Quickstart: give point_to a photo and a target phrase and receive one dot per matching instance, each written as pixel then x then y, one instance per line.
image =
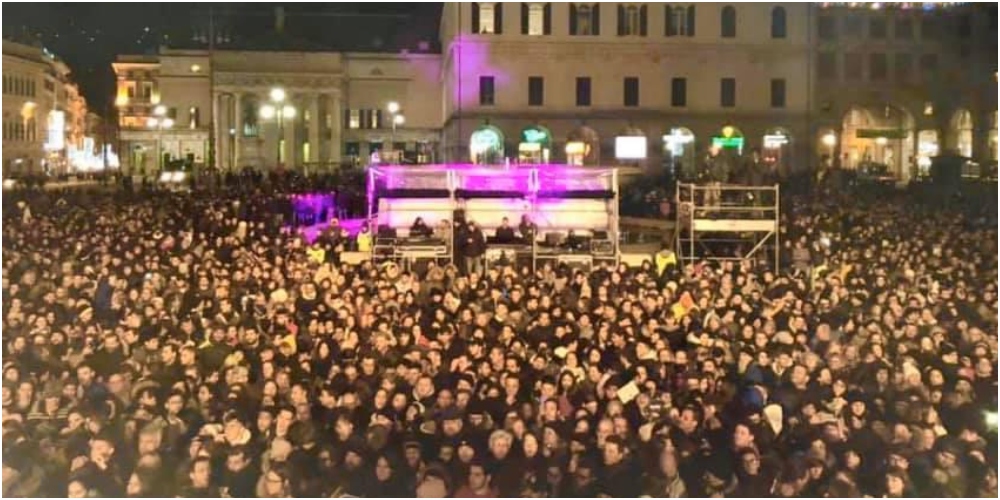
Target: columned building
pixel 335 108
pixel 649 84
pixel 899 83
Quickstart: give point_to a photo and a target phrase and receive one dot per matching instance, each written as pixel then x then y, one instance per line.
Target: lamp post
pixel 279 111
pixel 160 121
pixel 397 119
pixel 830 140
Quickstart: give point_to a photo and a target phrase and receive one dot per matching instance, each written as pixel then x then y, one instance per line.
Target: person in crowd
pixel 185 345
pixel 420 229
pixel 505 233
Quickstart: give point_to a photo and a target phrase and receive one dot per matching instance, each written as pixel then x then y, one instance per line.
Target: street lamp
pixel 397 120
pixel 159 121
pixel 281 112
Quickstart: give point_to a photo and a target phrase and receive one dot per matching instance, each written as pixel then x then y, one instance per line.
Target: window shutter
pixel 547 19
pixel 475 17
pixel 621 20
pixel 643 17
pixel 524 18
pixel 668 21
pixel 572 19
pixel 498 18
pixel 595 19
pixel 690 20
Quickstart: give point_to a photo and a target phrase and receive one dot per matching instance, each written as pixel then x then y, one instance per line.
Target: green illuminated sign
pixel 728 142
pixel 535 136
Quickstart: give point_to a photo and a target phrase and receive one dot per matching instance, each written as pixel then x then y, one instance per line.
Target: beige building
pixel 339 107
pixel 897 84
pixel 44 115
pixel 647 83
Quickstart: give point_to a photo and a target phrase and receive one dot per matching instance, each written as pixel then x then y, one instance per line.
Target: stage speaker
pixel 386 232
pixel 553 239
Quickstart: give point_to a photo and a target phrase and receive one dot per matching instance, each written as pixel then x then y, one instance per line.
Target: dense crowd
pixel 177 345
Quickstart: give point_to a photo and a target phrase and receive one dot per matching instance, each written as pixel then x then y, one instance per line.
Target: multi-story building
pixel 342 106
pixel 44 115
pixel 647 84
pixel 598 83
pixel 898 83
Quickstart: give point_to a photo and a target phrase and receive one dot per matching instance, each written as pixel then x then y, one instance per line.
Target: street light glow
pixel 829 139
pixel 394 107
pixel 167 123
pixel 278 94
pixel 267 111
pixel 398 119
pixel 160 110
pixel 288 111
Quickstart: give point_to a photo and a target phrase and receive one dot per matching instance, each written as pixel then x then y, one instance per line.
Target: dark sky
pixel 88 36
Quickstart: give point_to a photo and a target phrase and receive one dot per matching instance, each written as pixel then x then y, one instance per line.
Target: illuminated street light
pixel 393 107
pixel 830 140
pixel 277 95
pixel 279 111
pixel 398 120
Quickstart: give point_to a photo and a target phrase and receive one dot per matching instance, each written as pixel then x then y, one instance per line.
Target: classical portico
pixel 312 137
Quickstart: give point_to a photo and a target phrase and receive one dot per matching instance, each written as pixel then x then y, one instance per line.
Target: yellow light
pixel 398 119
pixel 267 111
pixel 881 141
pixel 195 68
pixel 728 131
pixel 160 110
pixel 393 107
pixel 121 100
pixel 829 139
pixel 277 94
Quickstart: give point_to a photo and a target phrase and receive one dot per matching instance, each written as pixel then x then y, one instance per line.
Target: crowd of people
pixel 184 345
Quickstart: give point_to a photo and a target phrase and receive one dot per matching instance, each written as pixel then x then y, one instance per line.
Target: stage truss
pixel 719 223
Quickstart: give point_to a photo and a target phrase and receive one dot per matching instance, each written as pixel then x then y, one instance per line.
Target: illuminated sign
pixel 529 147
pixel 772 141
pixel 630 147
pixel 577 148
pixel 484 140
pixel 676 141
pixel 728 142
pixel 535 136
pixel 56 139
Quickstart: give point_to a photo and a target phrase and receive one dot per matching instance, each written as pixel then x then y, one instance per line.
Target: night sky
pixel 89 36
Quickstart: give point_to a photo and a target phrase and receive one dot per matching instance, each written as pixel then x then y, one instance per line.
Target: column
pixel 290 149
pixel 212 155
pixel 981 127
pixel 237 123
pixel 335 143
pixel 312 100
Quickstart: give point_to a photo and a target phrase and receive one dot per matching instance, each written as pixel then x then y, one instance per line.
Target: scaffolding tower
pixel 720 223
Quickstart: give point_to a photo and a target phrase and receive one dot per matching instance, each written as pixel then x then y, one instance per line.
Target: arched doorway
pixel 679 153
pixel 535 146
pixel 486 145
pixel 961 131
pixel 777 148
pixel 928 146
pixel 878 141
pixel 583 147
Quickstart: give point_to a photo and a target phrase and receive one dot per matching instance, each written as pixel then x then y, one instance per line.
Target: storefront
pixel 679 153
pixel 777 148
pixel 486 146
pixel 535 146
pixel 583 147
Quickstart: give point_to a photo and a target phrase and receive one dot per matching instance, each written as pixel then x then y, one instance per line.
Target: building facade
pixel 44 114
pixel 647 83
pixel 339 108
pixel 897 84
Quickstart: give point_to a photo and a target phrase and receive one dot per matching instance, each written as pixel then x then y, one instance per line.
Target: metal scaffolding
pixel 721 223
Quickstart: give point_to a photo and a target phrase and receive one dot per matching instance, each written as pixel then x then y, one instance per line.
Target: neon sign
pixel 534 136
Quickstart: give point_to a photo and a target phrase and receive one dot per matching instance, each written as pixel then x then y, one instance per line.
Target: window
pixel 631 91
pixel 487 96
pixel 904 28
pixel 536 91
pixel 583 91
pixel 632 20
pixel 373 118
pixel 928 28
pixel 353 118
pixel 130 89
pixel 727 88
pixel 678 92
pixel 779 28
pixel 49 85
pixel 826 65
pixel 728 22
pixel 679 21
pixel 487 18
pixel 964 26
pixel 585 19
pixel 928 64
pixel 194 117
pixel 853 66
pixel 904 67
pixel 853 26
pixel 827 28
pixel 878 28
pixel 536 19
pixel 147 90
pixel 777 92
pixel 878 66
